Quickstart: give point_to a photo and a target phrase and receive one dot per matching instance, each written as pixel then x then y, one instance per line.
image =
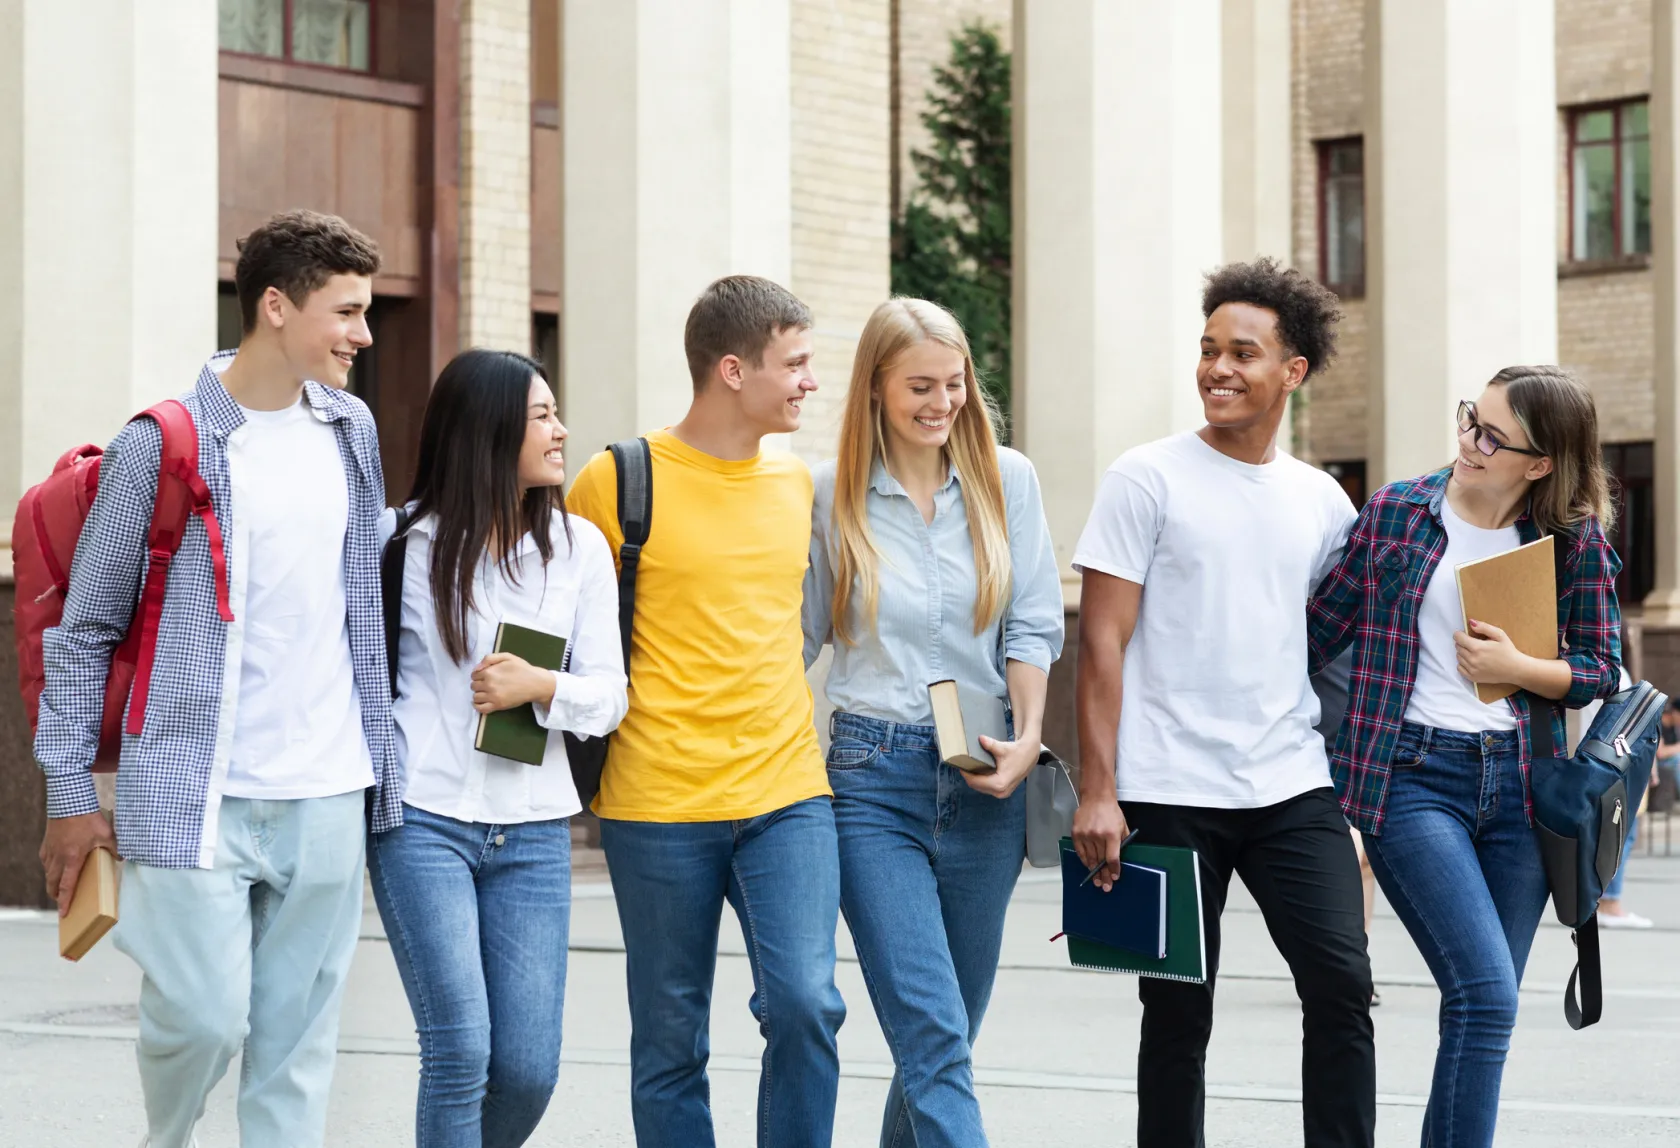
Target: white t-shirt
pixel 297 729
pixel 1217 711
pixel 1441 696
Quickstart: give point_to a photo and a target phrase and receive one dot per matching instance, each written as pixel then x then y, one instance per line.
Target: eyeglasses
pixel 1486 441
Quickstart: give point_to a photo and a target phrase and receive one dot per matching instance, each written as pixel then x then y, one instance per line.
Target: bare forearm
pixel 1098 698
pixel 1028 686
pixel 1548 677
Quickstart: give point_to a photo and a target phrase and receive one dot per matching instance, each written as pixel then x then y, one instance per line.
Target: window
pixel 1634 537
pixel 327 33
pixel 1609 181
pixel 545 349
pixel 1341 216
pixel 1350 476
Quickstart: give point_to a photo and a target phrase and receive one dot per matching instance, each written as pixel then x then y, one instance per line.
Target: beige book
pixel 93 908
pixel 959 718
pixel 1516 591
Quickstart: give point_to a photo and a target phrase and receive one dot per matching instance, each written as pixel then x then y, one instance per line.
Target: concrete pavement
pixel 1055 1063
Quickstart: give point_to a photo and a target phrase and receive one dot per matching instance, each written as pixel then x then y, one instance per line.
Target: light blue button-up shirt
pixel 925 624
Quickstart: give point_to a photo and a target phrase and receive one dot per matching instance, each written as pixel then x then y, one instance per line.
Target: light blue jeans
pixel 478 916
pixel 670 881
pixel 927 867
pixel 251 953
pixel 1613 891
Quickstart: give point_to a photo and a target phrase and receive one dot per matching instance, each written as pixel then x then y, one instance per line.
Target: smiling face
pixel 1505 472
pixel 321 337
pixel 1245 371
pixel 920 394
pixel 773 391
pixel 541 460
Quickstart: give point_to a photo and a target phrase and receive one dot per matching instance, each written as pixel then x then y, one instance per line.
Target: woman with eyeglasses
pixel 1437 781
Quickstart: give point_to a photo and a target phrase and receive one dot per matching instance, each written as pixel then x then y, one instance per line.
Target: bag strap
pixel 392 564
pixel 633 461
pixel 1589 973
pixel 181 493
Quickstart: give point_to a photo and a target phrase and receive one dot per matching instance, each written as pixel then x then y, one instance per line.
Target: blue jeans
pixel 478 917
pixel 252 952
pixel 1613 891
pixel 1461 866
pixel 927 867
pixel 670 881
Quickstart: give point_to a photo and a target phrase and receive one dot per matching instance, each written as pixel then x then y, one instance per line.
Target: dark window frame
pixel 291 61
pixel 1574 113
pixel 1632 465
pixel 1322 150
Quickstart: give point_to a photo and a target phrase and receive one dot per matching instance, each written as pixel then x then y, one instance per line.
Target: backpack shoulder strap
pixel 633 461
pixel 1589 974
pixel 181 494
pixel 392 565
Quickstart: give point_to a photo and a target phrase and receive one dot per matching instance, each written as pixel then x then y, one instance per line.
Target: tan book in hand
pixel 1516 591
pixel 959 718
pixel 93 907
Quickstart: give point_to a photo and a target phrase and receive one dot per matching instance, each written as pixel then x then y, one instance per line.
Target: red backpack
pixel 44 537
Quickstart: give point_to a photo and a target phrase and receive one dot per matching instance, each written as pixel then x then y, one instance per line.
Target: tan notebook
pixel 93 908
pixel 1516 591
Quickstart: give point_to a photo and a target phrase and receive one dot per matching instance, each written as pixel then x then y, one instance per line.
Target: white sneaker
pixel 1624 921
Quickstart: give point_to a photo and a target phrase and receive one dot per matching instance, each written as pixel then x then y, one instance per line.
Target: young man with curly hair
pixel 1195 713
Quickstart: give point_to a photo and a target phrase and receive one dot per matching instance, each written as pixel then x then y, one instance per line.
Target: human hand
pixel 1015 759
pixel 503 681
pixel 1098 829
pixel 1487 656
pixel 65 848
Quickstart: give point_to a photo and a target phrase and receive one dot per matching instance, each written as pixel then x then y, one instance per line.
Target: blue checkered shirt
pixel 170 776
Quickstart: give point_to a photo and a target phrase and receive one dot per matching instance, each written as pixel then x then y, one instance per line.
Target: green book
pixel 1186 958
pixel 516 733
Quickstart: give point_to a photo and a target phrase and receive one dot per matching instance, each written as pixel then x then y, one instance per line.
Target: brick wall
pixel 925 28
pixel 841 155
pixel 1604 335
pixel 1603 50
pixel 496 174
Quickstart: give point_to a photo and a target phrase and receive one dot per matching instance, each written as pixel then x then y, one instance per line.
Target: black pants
pixel 1297 859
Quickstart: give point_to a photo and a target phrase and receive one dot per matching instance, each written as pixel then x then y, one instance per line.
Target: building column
pixel 1461 208
pixel 676 133
pixel 495 296
pixel 108 236
pixel 1118 206
pixel 1665 272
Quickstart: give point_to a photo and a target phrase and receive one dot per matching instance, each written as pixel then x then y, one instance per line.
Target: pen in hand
pixel 1127 840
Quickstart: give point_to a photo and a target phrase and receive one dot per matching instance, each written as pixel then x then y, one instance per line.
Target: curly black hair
pixel 1307 312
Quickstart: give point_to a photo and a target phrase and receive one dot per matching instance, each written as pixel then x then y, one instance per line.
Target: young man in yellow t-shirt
pixel 714 787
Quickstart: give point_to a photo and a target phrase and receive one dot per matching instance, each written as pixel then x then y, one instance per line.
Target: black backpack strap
pixel 1589 974
pixel 391 565
pixel 634 463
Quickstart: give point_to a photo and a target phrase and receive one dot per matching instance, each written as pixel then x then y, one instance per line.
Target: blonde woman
pixel 930 560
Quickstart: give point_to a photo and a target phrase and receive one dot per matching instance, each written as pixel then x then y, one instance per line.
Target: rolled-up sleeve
pixel 1592 634
pixel 105 579
pixel 1033 626
pixel 591 697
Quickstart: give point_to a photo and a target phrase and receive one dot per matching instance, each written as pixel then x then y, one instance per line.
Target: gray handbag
pixel 1051 800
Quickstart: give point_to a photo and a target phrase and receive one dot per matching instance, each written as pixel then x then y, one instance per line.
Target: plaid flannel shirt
pixel 170 777
pixel 1372 598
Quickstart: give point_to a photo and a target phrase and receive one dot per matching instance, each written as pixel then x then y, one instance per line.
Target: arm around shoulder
pixel 816 614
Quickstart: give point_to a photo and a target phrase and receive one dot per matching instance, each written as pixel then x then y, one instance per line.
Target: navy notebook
pixel 1131 916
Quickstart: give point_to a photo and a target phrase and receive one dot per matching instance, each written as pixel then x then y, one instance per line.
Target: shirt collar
pixel 224 416
pixel 882 482
pixel 1431 490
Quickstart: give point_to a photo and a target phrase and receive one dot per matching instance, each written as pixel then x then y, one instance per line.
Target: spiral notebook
pixel 1186 951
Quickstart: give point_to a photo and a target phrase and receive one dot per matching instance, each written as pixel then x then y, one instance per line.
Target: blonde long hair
pixel 895 327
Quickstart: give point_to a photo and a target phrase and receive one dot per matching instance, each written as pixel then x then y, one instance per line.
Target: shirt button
pixel 501 839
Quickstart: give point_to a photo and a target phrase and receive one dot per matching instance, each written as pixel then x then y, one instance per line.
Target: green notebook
pixel 1186 958
pixel 516 733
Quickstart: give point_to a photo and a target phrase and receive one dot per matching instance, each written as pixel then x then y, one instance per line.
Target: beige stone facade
pixel 496 174
pixel 841 209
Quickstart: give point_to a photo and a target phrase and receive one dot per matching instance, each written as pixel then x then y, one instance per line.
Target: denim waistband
pixel 886 734
pixel 1490 740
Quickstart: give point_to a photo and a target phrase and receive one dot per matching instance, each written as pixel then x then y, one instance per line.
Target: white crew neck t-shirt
pixel 1441 696
pixel 297 728
pixel 1217 711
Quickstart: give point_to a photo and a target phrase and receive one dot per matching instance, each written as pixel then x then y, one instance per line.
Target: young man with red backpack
pixel 260 720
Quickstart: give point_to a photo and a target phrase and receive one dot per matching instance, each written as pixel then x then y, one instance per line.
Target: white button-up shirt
pixel 576 597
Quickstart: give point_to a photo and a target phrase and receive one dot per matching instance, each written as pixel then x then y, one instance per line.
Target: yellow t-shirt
pixel 720 724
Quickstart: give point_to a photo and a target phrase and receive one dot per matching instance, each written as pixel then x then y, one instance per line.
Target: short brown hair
pixel 738 315
pixel 297 252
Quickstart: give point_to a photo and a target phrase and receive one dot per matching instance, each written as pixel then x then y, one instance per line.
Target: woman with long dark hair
pixel 1436 780
pixel 475 885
